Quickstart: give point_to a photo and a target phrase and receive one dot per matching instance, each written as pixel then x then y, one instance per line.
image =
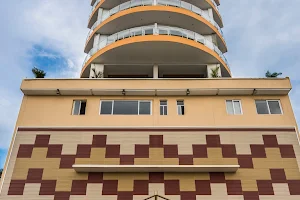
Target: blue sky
pixel 261 35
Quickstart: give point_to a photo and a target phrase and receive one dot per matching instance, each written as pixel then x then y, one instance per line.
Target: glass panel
pixel 180 103
pixel 274 107
pixel 175 33
pixel 161 110
pixel 180 110
pixel 237 107
pixel 82 108
pixel 262 107
pixel 149 31
pixel 163 103
pixel 165 110
pixel 162 32
pixel 125 108
pixel 76 107
pixel 106 107
pixel 229 107
pixel 145 108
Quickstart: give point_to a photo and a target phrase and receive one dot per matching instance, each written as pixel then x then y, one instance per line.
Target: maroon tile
pixel 258 151
pixel 217 177
pixel 156 141
pixel 140 187
pixel 62 196
pixel 245 161
pixel 200 151
pixel 112 151
pixel 171 151
pixel 83 151
pixel 79 187
pixel 42 141
pixel 156 177
pixel 141 151
pixel 54 150
pixel 125 195
pixel 287 151
pixel 203 187
pixel 25 151
pixel 188 196
pixel 48 187
pixel 110 187
pixel 95 177
pixel 234 187
pixel 229 151
pixel 35 175
pixel 99 141
pixel 213 141
pixel 294 187
pixel 265 187
pixel 67 161
pixel 172 187
pixel 186 160
pixel 16 187
pixel 270 140
pixel 127 159
pixel 278 175
pixel 251 196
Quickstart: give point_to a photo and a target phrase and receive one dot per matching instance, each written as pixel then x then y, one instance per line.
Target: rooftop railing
pixel 155 30
pixel 174 3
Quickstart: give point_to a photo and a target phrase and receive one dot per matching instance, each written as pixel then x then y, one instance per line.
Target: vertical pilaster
pixel 97 71
pixel 155 71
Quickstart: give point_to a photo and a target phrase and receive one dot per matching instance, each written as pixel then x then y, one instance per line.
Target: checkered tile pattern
pixel 41 165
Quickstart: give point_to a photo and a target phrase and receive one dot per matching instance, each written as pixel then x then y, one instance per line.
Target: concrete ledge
pixel 155 168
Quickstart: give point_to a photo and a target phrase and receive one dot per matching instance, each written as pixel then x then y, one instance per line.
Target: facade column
pixel 210 13
pixel 155 71
pixel 213 67
pixel 97 71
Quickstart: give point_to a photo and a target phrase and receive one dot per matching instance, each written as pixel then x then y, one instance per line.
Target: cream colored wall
pixel 200 111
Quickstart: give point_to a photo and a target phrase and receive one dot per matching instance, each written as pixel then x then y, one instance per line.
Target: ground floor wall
pixel 40 164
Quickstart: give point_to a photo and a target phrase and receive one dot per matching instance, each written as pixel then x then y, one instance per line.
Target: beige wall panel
pixel 219 191
pixel 215 158
pixel 200 111
pixel 267 197
pixel 185 144
pixel 70 140
pixel 281 189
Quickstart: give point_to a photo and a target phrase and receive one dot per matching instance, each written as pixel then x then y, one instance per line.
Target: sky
pixel 261 35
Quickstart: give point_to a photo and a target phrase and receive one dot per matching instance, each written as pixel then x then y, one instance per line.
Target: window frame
pixel 113 102
pixel 73 106
pixel 267 101
pixel 163 106
pixel 177 106
pixel 234 100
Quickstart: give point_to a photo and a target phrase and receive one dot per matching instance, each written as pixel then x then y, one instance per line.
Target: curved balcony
pixel 138 13
pixel 107 4
pixel 156 44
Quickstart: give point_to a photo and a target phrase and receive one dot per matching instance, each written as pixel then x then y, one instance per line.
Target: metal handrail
pixel 175 3
pixel 155 30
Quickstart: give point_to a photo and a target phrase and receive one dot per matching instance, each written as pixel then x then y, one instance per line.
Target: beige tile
pixel 281 189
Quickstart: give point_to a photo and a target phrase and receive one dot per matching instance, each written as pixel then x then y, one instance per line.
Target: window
pixel 180 107
pixel 268 107
pixel 233 107
pixel 130 107
pixel 163 107
pixel 79 107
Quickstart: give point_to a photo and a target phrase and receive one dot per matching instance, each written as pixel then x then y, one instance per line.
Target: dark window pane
pixel 182 110
pixel 106 107
pixel 274 107
pixel 76 106
pixel 165 110
pixel 83 106
pixel 163 103
pixel 145 108
pixel 262 107
pixel 180 103
pixel 161 110
pixel 125 108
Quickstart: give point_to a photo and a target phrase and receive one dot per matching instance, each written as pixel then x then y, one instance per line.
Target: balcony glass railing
pixel 175 3
pixel 98 1
pixel 155 30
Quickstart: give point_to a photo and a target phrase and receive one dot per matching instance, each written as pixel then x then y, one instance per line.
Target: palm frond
pixel 38 73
